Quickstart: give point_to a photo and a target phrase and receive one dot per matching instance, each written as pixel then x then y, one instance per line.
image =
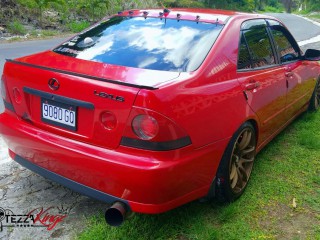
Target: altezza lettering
pixel 108 96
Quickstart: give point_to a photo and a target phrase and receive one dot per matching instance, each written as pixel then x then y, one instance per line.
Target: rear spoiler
pixel 80 75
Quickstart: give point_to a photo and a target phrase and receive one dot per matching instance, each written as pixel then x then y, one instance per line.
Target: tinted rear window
pixel 151 43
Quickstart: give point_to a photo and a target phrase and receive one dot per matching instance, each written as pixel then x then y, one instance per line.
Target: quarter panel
pixel 209 103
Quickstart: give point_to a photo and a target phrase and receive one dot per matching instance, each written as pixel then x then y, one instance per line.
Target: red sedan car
pixel 151 109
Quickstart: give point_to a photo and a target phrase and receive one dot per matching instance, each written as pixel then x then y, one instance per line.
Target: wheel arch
pixel 255 126
pixel 212 190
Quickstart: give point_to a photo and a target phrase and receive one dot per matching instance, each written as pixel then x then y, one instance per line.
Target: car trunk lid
pixel 69 96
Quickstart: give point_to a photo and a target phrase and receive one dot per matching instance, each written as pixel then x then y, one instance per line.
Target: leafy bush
pixel 16 27
pixel 76 26
pixel 274 9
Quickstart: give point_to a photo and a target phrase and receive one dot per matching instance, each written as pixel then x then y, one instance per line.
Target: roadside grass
pixel 311 15
pixel 40 35
pixel 286 173
pixel 315 16
pixel 16 27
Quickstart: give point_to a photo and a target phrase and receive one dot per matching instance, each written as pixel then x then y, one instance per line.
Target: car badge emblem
pixel 53 84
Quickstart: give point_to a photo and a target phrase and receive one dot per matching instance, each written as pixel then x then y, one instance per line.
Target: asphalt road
pixel 21 190
pixel 19 49
pixel 300 28
pixel 306 32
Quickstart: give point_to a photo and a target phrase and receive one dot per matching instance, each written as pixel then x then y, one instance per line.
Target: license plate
pixel 59 114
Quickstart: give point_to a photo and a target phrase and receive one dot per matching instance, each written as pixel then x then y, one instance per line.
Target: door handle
pixel 252 85
pixel 289 74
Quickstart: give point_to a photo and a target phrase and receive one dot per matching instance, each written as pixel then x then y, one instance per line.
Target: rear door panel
pixel 268 100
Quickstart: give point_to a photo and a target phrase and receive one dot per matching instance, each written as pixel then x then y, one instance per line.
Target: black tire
pixel 236 164
pixel 315 99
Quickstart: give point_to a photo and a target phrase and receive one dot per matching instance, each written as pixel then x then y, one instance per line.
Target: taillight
pixel 147 129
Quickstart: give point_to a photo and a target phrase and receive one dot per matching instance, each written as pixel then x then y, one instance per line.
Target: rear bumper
pixel 148 182
pixel 75 186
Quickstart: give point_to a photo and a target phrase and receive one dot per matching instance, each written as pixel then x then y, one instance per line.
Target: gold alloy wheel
pixel 242 159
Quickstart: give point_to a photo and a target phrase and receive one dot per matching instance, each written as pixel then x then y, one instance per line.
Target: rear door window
pixel 244 60
pixel 259 47
pixel 255 49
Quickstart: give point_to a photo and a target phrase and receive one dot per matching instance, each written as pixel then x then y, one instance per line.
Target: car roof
pixel 193 14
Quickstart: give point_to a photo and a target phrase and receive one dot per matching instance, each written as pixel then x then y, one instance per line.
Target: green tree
pixel 312 5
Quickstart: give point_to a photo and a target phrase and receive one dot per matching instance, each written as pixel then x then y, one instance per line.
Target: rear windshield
pixel 149 43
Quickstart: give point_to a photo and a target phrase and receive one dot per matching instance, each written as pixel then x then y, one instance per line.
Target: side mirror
pixel 312 55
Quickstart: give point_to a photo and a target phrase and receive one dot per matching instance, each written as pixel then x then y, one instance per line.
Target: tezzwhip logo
pixel 47 218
